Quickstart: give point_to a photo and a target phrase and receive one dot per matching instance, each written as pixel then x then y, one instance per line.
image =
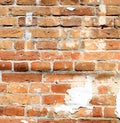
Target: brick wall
pixel 59 61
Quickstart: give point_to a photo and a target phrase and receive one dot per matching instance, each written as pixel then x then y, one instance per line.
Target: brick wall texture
pixel 59 61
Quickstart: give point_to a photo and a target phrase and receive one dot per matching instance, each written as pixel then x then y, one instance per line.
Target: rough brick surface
pixel 59 61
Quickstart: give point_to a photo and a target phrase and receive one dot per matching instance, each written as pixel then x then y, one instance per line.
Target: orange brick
pixel 3 11
pixel 75 33
pixel 97 112
pixel 90 2
pixel 113 10
pixel 85 66
pixel 26 2
pixel 19 45
pixel 46 45
pixel 11 32
pixel 6 2
pixel 21 67
pixel 48 21
pixel 8 21
pixel 60 88
pixel 107 66
pixel 109 113
pixel 45 33
pixel 117 21
pixel 17 88
pixel 35 111
pixel 40 66
pixel 69 2
pixel 103 89
pixel 39 88
pixel 52 99
pixel 103 100
pixel 5 44
pixel 19 99
pixel 14 77
pixel 3 88
pixel 14 111
pixel 71 21
pixel 49 3
pixel 109 2
pixel 62 66
pixel 5 66
pixel 35 10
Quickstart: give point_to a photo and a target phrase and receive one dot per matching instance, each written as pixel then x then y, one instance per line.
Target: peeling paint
pixel 118 105
pixel 70 8
pixel 77 97
pixel 28 20
pixel 24 121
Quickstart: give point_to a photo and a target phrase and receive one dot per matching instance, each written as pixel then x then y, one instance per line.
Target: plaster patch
pixel 28 19
pixel 70 8
pixel 102 20
pixel 101 44
pixel 24 121
pixel 77 97
pixel 118 105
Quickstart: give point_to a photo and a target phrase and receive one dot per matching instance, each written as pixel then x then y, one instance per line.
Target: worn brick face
pixel 59 61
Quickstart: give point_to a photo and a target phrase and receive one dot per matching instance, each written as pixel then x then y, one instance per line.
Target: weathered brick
pixel 46 45
pixel 3 11
pixel 52 99
pixel 14 77
pixel 97 112
pixel 5 66
pixel 40 66
pixel 35 111
pixel 19 45
pixel 26 2
pixel 85 66
pixel 6 2
pixel 113 10
pixel 21 67
pixel 109 112
pixel 115 2
pixel 117 21
pixel 39 88
pixel 69 2
pixel 62 66
pixel 5 44
pixel 3 88
pixel 49 3
pixel 60 88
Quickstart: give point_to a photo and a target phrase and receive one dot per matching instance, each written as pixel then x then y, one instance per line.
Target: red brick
pixel 69 2
pixel 5 66
pixel 26 2
pixel 3 88
pixel 19 45
pixel 49 3
pixel 62 66
pixel 109 112
pixel 85 66
pixel 60 88
pixel 46 45
pixel 40 66
pixel 97 112
pixel 103 89
pixel 35 111
pixel 39 88
pixel 14 111
pixel 21 67
pixel 14 77
pixel 90 2
pixel 52 99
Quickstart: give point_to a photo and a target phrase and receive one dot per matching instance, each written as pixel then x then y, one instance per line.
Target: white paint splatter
pixel 70 8
pixel 118 105
pixel 28 19
pixel 77 97
pixel 24 121
pixel 102 20
pixel 102 8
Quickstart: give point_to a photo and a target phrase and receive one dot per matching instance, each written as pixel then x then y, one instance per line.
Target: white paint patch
pixel 100 44
pixel 71 44
pixel 77 97
pixel 28 19
pixel 70 8
pixel 102 20
pixel 0 76
pixel 24 121
pixel 38 2
pixel 102 8
pixel 118 105
pixel 28 36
